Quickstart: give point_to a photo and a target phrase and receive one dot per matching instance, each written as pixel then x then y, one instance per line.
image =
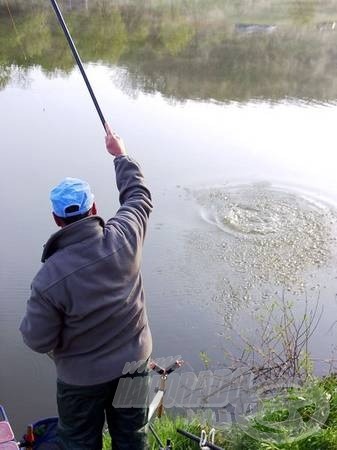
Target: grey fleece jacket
pixel 87 300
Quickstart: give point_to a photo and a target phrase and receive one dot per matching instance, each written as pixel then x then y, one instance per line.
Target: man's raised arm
pixel 134 196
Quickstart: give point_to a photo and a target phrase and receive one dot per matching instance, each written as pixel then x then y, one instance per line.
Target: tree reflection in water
pixel 222 50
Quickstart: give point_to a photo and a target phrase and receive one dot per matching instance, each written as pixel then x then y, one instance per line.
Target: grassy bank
pixel 298 419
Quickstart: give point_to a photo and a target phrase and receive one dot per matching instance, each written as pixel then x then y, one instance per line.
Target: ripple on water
pixel 262 235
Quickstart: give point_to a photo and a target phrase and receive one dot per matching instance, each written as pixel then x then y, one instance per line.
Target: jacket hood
pixel 73 233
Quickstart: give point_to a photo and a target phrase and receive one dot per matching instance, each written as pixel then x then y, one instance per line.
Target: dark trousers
pixel 83 411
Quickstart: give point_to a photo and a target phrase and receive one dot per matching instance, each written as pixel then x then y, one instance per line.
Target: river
pixel 230 108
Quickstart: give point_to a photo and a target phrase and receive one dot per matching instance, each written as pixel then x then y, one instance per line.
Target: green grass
pixel 317 392
pixel 166 429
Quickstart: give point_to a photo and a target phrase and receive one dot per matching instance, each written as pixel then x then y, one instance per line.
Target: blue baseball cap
pixel 71 197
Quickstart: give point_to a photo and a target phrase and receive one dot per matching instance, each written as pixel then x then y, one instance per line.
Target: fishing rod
pixel 193 437
pixel 78 59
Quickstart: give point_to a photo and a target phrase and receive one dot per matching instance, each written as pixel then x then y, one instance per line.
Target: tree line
pixel 225 50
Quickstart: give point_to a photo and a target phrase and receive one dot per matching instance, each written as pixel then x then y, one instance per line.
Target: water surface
pixel 230 109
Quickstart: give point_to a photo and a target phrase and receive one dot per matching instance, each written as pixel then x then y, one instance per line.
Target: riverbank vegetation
pixel 278 403
pixel 275 427
pixel 221 50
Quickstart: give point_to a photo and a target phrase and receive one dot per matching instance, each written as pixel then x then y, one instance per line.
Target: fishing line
pixel 16 31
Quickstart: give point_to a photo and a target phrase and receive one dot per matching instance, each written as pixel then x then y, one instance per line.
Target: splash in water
pixel 261 236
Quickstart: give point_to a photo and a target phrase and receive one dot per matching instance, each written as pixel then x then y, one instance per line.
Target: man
pixel 87 307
